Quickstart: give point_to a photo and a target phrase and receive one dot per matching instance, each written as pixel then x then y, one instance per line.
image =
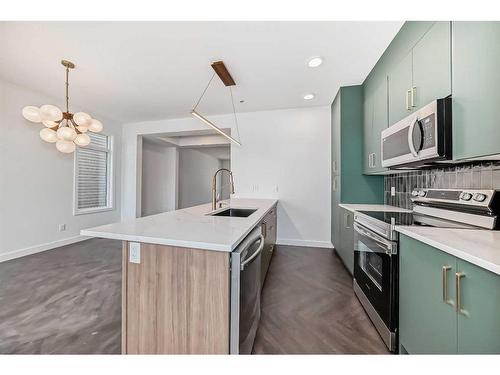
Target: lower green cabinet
pixel 427 323
pixel 479 310
pixel 430 284
pixel 345 249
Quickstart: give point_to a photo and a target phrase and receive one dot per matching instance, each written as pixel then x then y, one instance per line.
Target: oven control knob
pixel 478 197
pixel 422 193
pixel 414 193
pixel 466 196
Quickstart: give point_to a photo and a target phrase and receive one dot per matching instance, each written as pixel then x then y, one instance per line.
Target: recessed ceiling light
pixel 308 96
pixel 314 62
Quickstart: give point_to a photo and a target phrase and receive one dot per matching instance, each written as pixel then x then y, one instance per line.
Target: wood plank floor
pixel 65 301
pixel 68 301
pixel 309 307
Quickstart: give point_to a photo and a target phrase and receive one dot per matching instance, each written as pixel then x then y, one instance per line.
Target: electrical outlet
pixel 134 250
pixel 62 227
pixel 393 191
pixel 276 188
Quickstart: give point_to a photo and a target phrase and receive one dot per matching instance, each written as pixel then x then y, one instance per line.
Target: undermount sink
pixel 235 212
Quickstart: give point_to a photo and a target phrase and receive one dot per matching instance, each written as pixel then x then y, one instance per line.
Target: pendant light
pixel 226 78
pixel 65 129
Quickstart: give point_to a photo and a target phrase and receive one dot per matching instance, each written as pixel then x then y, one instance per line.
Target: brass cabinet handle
pixel 412 96
pixel 458 286
pixel 264 230
pixel 445 270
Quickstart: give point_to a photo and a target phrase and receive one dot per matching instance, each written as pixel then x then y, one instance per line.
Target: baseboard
pixel 308 243
pixel 39 248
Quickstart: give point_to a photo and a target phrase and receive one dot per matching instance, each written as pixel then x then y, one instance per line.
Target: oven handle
pixel 388 246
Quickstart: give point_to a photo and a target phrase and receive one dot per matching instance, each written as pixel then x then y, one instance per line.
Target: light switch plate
pixel 393 191
pixel 134 252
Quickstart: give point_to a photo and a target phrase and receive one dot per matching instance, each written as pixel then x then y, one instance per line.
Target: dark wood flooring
pixel 68 301
pixel 65 301
pixel 309 307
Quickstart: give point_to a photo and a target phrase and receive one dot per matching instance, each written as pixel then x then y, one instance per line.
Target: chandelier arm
pixel 67 89
pixel 204 91
pixel 234 112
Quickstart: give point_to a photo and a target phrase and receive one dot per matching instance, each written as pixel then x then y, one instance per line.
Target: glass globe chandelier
pixel 65 129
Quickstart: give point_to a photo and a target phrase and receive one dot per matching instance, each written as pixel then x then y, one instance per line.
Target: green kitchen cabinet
pixel 431 70
pixel 423 75
pixel 479 310
pixel 367 128
pixel 400 82
pixel 346 248
pixel 427 317
pixel 446 305
pixel 349 184
pixel 379 123
pixel 476 98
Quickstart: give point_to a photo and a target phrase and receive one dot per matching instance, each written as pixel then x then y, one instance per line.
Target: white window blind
pixel 93 175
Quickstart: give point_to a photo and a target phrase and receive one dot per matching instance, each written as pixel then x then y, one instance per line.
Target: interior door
pixel 427 323
pixel 432 65
pixel 400 81
pixel 479 312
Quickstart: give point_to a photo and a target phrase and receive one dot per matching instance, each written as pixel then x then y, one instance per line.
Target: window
pixel 93 175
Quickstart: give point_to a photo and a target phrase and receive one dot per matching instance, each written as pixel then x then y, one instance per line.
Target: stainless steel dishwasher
pixel 245 292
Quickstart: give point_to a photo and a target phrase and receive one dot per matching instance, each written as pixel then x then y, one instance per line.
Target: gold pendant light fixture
pixel 226 78
pixel 65 129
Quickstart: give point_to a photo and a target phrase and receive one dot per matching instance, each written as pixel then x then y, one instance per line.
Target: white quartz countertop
pixel 189 227
pixel 372 207
pixel 479 247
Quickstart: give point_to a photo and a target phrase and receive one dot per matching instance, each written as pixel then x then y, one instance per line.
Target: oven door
pixel 375 272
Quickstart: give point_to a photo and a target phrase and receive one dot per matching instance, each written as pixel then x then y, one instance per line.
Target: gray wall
pixel 196 170
pixel 480 175
pixel 159 178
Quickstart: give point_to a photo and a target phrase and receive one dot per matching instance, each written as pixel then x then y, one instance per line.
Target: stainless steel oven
pixel 376 280
pixel 422 138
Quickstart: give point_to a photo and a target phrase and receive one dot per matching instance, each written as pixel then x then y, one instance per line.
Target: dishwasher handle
pixel 254 255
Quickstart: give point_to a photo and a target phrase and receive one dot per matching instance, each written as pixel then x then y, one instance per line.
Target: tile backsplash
pixel 478 175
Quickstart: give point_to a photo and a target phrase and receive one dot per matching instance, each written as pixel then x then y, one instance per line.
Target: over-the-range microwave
pixel 420 139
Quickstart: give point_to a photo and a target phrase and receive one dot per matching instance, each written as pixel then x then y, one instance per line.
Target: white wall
pixel 36 181
pixel 159 178
pixel 196 170
pixel 288 149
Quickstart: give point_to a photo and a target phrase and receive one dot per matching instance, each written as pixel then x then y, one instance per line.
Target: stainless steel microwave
pixel 422 138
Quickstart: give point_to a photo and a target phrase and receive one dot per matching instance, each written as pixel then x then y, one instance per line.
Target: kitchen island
pixel 176 276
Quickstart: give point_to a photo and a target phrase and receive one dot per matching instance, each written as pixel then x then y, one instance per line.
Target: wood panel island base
pixel 192 278
pixel 175 301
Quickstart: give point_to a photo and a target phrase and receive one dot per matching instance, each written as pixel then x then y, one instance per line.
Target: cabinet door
pixel 479 310
pixel 336 212
pixel 476 79
pixel 400 81
pixel 368 96
pixel 336 135
pixel 432 65
pixel 379 123
pixel 427 324
pixel 347 240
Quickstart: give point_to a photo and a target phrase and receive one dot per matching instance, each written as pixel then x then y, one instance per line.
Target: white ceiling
pixel 136 71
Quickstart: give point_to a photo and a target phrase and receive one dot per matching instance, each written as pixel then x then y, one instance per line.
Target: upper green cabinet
pixel 423 74
pixel 400 84
pixel 476 98
pixel 446 304
pixel 432 65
